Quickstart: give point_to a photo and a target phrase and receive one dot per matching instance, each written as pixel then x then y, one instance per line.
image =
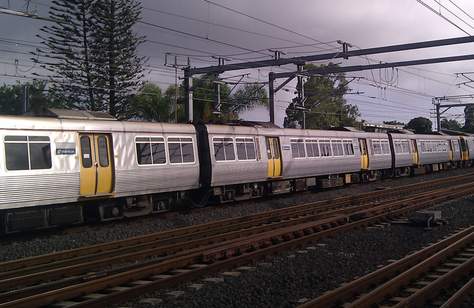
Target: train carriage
pixel 51 168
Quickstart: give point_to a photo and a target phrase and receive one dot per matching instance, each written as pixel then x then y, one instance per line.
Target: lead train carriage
pixel 63 171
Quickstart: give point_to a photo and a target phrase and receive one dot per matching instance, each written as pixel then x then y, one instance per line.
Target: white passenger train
pixel 56 172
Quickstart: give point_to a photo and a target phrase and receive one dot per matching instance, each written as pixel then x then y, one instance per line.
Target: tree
pixel 325 103
pixel 204 98
pixel 247 97
pixel 469 119
pixel 149 104
pixel 420 125
pixel 67 53
pixel 115 44
pixel 12 98
pixel 90 52
pixel 451 124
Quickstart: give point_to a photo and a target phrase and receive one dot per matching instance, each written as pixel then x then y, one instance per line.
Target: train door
pixel 464 149
pixel 414 154
pixel 451 150
pixel 364 154
pixel 274 157
pixel 96 165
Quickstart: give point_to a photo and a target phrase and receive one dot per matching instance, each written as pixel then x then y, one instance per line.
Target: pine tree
pixel 121 69
pixel 67 54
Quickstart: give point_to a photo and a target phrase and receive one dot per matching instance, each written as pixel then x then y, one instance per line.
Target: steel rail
pixel 76 266
pixel 262 243
pixel 198 230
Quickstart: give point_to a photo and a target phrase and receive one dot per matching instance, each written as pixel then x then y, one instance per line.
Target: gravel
pixel 57 240
pixel 288 278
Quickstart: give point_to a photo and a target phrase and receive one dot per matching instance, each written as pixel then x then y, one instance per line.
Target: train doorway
pixel 96 165
pixel 364 154
pixel 274 157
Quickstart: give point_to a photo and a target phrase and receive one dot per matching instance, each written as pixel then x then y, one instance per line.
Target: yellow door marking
pixel 104 164
pixel 96 176
pixel 88 175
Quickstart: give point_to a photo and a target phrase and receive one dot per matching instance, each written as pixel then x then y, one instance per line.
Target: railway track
pixel 106 273
pixel 413 281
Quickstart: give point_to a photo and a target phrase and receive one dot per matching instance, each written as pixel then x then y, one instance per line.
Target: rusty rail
pixel 300 226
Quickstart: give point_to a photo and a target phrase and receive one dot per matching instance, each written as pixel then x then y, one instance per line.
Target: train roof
pixel 45 123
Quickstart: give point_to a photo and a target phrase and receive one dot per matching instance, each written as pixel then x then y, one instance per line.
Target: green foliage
pixel 114 44
pixel 90 52
pixel 469 119
pixel 325 100
pixel 420 125
pixel 149 104
pixel 204 97
pixel 451 124
pixel 12 98
pixel 248 97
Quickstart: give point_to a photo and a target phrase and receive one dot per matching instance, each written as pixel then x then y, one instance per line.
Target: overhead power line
pixel 442 16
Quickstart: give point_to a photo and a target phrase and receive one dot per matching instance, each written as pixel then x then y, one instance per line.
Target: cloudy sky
pixel 243 30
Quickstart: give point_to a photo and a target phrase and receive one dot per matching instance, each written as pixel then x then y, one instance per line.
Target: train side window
pixel 103 151
pixel 348 147
pixel 27 153
pixel 143 148
pixel 223 149
pixel 297 148
pixel 150 150
pixel 312 148
pixel 377 147
pixel 17 156
pixel 325 147
pixel 181 150
pixel 385 147
pixel 245 148
pixel 187 150
pixel 398 146
pixel 337 148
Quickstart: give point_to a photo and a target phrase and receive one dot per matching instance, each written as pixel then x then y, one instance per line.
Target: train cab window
pixel 337 149
pixel 27 152
pixel 312 148
pixel 181 150
pixel 103 151
pixel 150 150
pixel 223 149
pixel 297 148
pixel 245 148
pixel 325 147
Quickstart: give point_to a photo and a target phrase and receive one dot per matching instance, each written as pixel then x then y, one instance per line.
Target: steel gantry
pixel 300 61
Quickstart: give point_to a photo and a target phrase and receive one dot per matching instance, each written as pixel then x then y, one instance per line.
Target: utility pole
pixel 271 96
pixel 25 98
pixel 300 89
pixel 438 115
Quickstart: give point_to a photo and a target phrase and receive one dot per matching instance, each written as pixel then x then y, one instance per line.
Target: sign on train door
pixel 96 164
pixel 364 154
pixel 274 157
pixel 414 154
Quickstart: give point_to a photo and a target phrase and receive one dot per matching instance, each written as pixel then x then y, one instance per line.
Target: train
pixel 66 171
